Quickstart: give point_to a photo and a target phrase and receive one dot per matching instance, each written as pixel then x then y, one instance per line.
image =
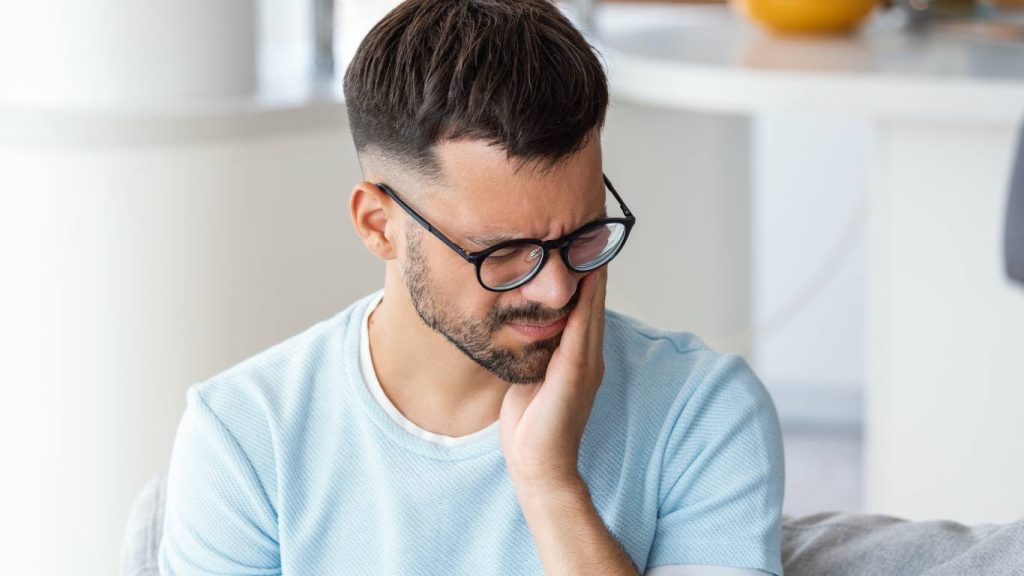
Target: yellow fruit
pixel 804 16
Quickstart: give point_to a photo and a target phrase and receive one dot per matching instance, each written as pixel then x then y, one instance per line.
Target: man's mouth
pixel 539 330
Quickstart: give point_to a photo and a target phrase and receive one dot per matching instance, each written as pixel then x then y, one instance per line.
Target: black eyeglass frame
pixel 477 258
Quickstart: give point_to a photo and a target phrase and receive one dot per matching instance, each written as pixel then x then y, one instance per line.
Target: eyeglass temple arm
pixel 423 222
pixel 622 204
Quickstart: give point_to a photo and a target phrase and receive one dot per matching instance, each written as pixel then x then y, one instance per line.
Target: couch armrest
pixel 141 544
pixel 874 545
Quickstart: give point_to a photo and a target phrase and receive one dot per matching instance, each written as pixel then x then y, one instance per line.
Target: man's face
pixel 484 200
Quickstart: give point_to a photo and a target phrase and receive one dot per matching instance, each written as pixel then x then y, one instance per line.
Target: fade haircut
pixel 514 73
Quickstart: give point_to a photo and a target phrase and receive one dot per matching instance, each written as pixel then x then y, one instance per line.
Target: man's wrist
pixel 553 493
pixel 571 536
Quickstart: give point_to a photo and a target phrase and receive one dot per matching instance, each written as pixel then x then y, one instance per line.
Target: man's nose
pixel 554 285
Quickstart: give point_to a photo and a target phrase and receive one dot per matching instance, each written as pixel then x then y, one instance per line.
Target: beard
pixel 476 337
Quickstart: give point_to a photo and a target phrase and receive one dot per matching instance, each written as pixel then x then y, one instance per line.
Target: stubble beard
pixel 475 337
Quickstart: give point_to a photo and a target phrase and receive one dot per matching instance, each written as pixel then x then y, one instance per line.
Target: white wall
pixel 686 177
pixel 750 233
pixel 115 52
pixel 809 178
pixel 138 270
pixel 945 381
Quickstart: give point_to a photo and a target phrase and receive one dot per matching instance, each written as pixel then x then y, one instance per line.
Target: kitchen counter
pixel 944 327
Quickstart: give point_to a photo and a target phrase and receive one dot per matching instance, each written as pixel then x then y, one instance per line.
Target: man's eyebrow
pixel 490 239
pixel 499 237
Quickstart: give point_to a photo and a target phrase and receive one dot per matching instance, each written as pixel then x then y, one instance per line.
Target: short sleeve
pixel 722 476
pixel 219 518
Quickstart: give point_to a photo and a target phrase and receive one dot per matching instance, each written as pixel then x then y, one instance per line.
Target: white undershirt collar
pixel 373 384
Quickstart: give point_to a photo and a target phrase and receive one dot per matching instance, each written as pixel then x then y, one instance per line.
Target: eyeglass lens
pixel 591 249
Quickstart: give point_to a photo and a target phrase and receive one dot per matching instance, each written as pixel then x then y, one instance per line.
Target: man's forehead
pixel 503 234
pixel 527 210
pixel 500 198
pixel 479 160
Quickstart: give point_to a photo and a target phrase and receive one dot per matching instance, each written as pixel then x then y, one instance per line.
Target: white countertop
pixel 707 58
pixel 279 106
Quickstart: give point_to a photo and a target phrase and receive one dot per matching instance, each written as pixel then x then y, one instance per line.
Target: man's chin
pixel 530 361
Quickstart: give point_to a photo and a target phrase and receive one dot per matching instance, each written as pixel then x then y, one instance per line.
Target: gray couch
pixel 817 545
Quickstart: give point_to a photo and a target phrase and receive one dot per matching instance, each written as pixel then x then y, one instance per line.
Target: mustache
pixel 533 312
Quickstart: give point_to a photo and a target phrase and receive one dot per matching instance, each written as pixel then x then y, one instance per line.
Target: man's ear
pixel 367 206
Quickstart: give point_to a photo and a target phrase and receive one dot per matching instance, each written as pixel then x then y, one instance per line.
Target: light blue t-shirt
pixel 287 464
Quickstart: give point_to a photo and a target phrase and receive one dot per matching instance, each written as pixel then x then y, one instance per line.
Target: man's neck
pixel 430 381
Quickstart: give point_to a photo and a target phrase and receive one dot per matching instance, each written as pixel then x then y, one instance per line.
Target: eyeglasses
pixel 512 263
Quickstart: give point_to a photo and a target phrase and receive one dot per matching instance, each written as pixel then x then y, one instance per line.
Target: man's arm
pixel 219 518
pixel 541 430
pixel 570 535
pixel 722 474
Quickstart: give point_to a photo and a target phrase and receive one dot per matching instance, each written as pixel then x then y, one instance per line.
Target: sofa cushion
pixel 141 542
pixel 870 544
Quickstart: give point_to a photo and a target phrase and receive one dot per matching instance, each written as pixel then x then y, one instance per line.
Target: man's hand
pixel 541 430
pixel 542 425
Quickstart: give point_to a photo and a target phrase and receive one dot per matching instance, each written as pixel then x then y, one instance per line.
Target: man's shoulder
pixel 283 374
pixel 641 348
pixel 671 369
pixel 629 331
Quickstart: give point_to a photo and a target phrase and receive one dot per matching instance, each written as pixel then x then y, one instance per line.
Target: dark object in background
pixel 921 13
pixel 1015 216
pixel 323 39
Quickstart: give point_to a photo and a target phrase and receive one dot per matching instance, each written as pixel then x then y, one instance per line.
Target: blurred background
pixel 822 187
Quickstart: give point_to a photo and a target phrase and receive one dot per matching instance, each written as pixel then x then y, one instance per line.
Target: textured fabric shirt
pixel 373 385
pixel 287 464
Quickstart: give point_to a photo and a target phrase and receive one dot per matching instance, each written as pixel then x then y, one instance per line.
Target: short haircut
pixel 515 73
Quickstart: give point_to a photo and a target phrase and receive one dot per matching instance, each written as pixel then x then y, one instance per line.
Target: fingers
pixel 598 305
pixel 600 289
pixel 577 327
pixel 595 329
pixel 591 309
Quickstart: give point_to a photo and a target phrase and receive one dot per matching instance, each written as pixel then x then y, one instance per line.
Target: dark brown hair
pixel 514 73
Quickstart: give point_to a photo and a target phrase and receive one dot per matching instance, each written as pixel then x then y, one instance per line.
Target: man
pixel 482 414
